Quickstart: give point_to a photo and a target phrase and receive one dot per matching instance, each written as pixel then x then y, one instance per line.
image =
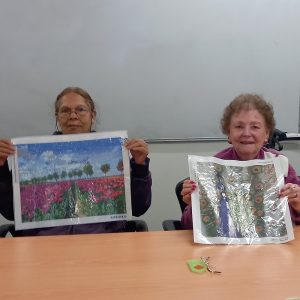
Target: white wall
pixel 169 165
pixel 134 56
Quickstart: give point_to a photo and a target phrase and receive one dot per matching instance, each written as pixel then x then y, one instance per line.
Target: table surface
pixel 145 265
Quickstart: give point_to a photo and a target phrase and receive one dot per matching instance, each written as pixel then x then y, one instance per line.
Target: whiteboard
pixel 157 68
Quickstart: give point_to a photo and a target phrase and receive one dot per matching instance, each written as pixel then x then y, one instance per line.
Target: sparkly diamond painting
pixel 71 179
pixel 237 202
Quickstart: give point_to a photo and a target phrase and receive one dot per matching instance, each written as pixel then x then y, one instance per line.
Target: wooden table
pixel 144 265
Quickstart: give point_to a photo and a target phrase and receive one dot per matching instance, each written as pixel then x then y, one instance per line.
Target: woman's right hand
pixel 6 149
pixel 187 188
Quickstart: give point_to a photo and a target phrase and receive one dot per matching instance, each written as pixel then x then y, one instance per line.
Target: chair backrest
pixel 178 190
pixel 136 226
pixel 275 138
pixel 5 229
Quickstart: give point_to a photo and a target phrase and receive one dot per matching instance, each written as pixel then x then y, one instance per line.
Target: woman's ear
pixel 267 136
pixel 57 126
pixel 228 137
pixel 93 116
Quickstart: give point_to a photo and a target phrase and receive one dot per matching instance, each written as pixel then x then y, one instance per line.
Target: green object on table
pixel 197 265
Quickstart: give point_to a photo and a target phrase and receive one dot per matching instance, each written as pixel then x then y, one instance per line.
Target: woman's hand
pixel 292 191
pixel 6 149
pixel 187 188
pixel 138 149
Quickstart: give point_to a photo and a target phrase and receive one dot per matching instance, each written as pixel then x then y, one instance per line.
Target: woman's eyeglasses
pixel 66 112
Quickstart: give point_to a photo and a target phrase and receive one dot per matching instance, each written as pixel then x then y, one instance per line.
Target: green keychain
pixel 197 265
pixel 201 265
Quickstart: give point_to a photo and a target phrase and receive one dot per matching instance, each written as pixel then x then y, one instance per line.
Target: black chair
pixel 131 226
pixel 176 224
pixel 5 229
pixel 136 226
pixel 275 138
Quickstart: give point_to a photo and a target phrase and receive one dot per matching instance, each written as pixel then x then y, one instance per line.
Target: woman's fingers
pixel 292 192
pixel 138 149
pixel 187 188
pixel 6 149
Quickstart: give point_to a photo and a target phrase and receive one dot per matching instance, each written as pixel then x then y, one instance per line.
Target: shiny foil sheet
pixel 238 202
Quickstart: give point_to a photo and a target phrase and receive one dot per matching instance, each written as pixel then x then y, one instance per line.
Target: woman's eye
pixel 65 110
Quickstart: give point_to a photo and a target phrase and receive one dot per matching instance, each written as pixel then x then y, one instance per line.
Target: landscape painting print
pixel 71 179
pixel 238 202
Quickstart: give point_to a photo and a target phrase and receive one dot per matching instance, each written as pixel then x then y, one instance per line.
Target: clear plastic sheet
pixel 237 202
pixel 71 179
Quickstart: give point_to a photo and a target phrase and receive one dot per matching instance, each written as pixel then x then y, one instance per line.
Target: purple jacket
pixel 141 182
pixel 230 154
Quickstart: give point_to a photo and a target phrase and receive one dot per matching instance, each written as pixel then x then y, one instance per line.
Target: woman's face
pixel 74 114
pixel 248 133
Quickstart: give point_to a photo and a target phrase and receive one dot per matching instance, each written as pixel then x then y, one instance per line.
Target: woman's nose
pixel 73 114
pixel 246 130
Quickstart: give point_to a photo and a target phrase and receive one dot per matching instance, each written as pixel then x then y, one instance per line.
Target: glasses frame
pixel 79 111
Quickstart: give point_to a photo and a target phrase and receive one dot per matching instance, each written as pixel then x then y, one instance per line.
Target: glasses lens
pixel 79 111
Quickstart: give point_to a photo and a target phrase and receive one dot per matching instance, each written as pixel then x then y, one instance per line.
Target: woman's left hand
pixel 292 191
pixel 138 149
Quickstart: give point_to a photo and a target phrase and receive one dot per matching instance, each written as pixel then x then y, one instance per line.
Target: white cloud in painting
pixel 48 155
pixel 67 158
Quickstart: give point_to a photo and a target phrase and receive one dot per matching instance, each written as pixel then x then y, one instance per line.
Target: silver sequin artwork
pixel 238 202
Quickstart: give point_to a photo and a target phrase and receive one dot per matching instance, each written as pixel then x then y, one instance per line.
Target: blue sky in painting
pixel 42 159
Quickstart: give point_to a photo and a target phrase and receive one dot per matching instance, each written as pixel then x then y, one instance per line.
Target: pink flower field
pixel 48 200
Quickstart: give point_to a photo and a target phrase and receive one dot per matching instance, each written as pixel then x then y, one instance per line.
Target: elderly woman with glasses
pixel 75 113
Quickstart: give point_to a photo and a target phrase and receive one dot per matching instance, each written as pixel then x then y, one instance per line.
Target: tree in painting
pixel 105 168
